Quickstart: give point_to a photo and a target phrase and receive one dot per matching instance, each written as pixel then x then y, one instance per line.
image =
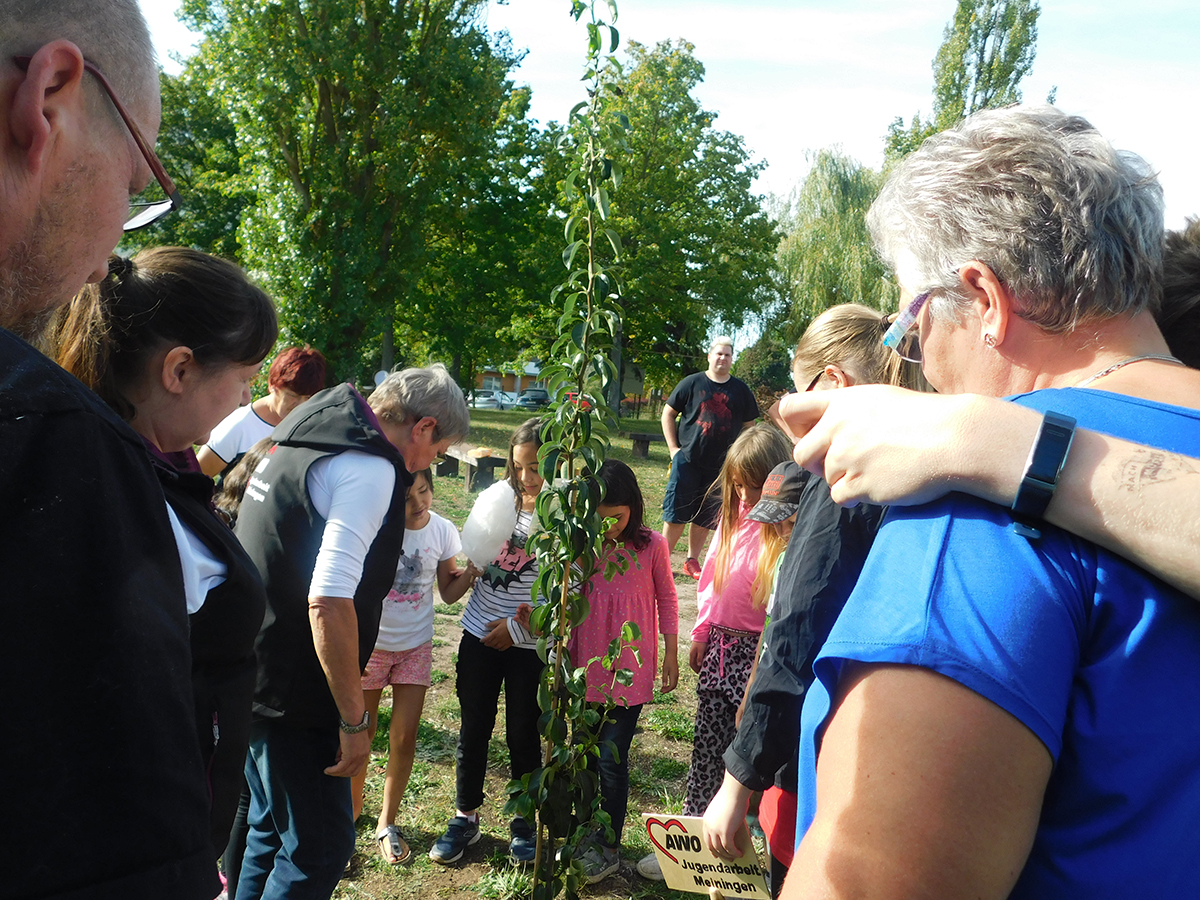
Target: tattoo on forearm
pixel 1146 467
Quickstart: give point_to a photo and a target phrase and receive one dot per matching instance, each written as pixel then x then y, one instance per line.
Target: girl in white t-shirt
pixel 403 655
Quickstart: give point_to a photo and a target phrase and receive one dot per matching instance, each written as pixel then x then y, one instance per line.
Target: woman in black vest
pixel 171 340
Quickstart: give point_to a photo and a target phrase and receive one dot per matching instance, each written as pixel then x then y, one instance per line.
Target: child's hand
pixel 498 637
pixel 725 831
pixel 670 672
pixel 523 613
pixel 696 654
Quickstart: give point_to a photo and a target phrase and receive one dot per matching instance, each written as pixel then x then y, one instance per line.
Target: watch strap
pixel 1047 457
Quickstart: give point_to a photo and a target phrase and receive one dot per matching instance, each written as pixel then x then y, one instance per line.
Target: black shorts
pixel 688 498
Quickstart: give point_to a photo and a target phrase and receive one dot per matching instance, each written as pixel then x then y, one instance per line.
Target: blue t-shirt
pixel 1096 657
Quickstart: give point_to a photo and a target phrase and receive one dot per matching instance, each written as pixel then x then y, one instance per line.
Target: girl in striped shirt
pixel 496 650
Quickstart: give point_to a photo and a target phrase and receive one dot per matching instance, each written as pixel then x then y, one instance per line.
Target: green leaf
pixel 615 241
pixel 614 39
pixel 602 201
pixel 570 251
pixel 612 9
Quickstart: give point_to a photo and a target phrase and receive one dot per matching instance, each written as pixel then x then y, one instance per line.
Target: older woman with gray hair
pixel 323 519
pixel 1004 709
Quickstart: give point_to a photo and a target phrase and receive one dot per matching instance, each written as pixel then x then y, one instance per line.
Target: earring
pixel 990 340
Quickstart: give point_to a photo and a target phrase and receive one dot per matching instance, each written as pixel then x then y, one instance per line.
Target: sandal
pixel 396 851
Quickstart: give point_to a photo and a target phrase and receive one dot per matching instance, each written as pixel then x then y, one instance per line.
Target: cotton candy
pixel 490 524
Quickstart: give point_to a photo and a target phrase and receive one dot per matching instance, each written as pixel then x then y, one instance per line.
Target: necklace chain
pixel 1124 362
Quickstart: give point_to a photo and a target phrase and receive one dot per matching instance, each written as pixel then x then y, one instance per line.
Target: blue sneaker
pixel 460 834
pixel 523 847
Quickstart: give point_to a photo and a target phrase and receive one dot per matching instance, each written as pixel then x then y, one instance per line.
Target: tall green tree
pixel 481 275
pixel 987 49
pixel 197 143
pixel 352 117
pixel 826 256
pixel 697 244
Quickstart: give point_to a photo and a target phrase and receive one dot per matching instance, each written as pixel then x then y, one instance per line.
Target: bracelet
pixel 355 729
pixel 1047 457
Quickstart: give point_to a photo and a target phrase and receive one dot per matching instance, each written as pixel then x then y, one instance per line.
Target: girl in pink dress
pixel 644 594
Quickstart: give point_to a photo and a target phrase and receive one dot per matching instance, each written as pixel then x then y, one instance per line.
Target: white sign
pixel 687 864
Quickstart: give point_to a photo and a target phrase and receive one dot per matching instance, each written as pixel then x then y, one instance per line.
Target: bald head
pixel 111 33
pixel 68 163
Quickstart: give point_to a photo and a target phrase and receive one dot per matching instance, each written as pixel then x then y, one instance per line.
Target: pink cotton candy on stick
pixel 490 524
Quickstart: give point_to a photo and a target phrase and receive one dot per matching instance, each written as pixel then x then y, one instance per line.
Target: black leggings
pixel 481 673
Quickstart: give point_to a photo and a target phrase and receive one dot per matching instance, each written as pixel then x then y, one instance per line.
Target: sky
pixel 795 76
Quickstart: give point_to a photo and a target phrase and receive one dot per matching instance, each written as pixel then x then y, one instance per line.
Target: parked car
pixel 533 398
pixel 482 399
pixel 508 399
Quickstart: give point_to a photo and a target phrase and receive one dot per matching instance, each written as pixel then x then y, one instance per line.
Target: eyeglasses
pixel 140 214
pixel 901 335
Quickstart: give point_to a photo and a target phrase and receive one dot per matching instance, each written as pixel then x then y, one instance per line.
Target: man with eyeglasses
pixel 97 706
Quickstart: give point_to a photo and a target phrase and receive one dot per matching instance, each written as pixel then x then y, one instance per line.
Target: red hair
pixel 300 370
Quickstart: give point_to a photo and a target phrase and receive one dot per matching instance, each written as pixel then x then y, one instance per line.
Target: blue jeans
pixel 614 771
pixel 301 820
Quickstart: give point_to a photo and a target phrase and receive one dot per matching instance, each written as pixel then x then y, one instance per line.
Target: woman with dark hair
pixel 295 375
pixel 171 340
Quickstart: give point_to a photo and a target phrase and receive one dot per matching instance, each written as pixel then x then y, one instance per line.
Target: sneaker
pixel 649 868
pixel 691 567
pixel 460 834
pixel 523 847
pixel 599 862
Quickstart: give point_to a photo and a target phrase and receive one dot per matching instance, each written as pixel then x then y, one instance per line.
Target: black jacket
pixel 822 563
pixel 282 533
pixel 223 632
pixel 96 710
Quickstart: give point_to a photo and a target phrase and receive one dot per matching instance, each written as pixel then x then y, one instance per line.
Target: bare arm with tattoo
pixel 897 447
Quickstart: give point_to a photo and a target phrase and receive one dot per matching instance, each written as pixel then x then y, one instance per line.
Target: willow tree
pixel 826 256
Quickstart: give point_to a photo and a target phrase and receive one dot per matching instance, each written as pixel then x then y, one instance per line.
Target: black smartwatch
pixel 355 729
pixel 1042 470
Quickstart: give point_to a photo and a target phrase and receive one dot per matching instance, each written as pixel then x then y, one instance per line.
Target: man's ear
pixel 990 299
pixel 52 88
pixel 178 367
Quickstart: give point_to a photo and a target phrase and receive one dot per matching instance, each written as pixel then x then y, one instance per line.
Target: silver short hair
pixel 1072 226
pixel 721 340
pixel 413 394
pixel 111 33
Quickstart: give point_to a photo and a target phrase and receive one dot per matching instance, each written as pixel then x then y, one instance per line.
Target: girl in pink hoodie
pixel 729 620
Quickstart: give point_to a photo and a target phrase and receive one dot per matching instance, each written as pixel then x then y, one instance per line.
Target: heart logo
pixel 666 826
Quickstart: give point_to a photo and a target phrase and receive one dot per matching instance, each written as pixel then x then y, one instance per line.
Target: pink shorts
pixel 386 667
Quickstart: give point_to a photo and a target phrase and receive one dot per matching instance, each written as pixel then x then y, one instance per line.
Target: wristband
pixel 1042 470
pixel 355 729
